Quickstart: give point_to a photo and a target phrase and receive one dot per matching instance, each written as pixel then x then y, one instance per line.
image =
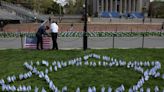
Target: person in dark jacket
pixel 41 31
pixel 162 27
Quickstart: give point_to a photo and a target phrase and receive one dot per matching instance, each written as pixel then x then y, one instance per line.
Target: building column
pixel 134 6
pixel 98 6
pixel 107 6
pixel 125 6
pixel 111 5
pixel 129 4
pixel 115 5
pixel 121 6
pixel 102 5
pixel 140 5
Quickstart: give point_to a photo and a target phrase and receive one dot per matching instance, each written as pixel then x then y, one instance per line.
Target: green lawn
pixel 11 62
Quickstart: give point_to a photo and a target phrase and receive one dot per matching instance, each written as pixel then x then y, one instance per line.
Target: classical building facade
pixel 119 6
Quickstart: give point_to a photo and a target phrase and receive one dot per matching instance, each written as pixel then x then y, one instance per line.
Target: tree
pixel 70 7
pixel 79 6
pixel 74 7
pixel 156 9
pixel 53 9
pixel 45 4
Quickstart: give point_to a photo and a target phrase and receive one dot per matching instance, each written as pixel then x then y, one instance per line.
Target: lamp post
pixel 144 11
pixel 85 38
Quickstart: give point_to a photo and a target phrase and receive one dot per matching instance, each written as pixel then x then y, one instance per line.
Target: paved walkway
pixel 95 43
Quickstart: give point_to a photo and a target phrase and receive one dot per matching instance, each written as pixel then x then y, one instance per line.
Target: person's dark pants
pixel 54 40
pixel 39 41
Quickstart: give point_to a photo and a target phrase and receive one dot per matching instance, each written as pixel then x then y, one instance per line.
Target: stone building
pixel 119 6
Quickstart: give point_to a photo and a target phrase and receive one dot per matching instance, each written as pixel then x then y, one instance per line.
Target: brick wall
pixel 32 27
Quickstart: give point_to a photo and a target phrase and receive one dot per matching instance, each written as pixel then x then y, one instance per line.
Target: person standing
pixel 71 28
pixel 54 33
pixel 162 27
pixel 143 20
pixel 41 31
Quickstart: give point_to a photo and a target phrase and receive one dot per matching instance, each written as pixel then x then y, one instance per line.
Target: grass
pixel 11 62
